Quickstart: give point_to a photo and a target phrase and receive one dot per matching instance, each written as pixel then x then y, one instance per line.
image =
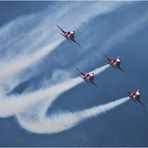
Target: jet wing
pixel 61 29
pixel 83 74
pixel 75 41
pixel 92 82
pixel 141 103
pixel 95 84
pixel 107 58
pixel 121 69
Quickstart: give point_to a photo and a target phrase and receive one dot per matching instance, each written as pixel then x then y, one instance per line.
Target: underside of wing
pixel 83 74
pixel 107 57
pixel 141 103
pixel 61 29
pixel 95 84
pixel 75 41
pixel 121 69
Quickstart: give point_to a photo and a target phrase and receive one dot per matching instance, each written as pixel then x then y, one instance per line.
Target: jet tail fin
pixel 137 90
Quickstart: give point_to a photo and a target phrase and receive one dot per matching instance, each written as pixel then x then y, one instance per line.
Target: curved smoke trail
pixel 13 109
pixel 42 31
pixel 14 67
pixel 63 121
pixel 14 104
pixel 9 35
pixel 39 27
pixel 60 122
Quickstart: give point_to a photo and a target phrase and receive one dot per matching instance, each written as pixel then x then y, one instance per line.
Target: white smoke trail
pixel 9 32
pixel 40 124
pixel 64 121
pixel 44 25
pixel 13 67
pixel 33 29
pixel 14 104
pixel 15 107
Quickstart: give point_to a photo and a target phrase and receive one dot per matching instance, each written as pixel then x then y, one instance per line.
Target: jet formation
pixel 114 63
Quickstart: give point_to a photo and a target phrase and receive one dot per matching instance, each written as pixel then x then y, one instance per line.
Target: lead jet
pixel 69 35
pixel 88 77
pixel 135 96
pixel 115 63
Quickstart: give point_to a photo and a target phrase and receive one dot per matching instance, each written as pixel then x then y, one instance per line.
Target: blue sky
pixel 115 28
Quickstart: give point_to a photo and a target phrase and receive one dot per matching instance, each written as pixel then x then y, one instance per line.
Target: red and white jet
pixel 135 96
pixel 88 77
pixel 115 63
pixel 69 35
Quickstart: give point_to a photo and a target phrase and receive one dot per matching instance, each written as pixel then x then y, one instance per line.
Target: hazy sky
pixel 115 28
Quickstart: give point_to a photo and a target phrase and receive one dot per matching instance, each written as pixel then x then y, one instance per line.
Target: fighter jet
pixel 115 63
pixel 69 35
pixel 88 77
pixel 135 96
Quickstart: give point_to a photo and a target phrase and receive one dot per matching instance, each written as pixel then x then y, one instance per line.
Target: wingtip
pixel 124 72
pixel 99 87
pixel 103 54
pixel 77 69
